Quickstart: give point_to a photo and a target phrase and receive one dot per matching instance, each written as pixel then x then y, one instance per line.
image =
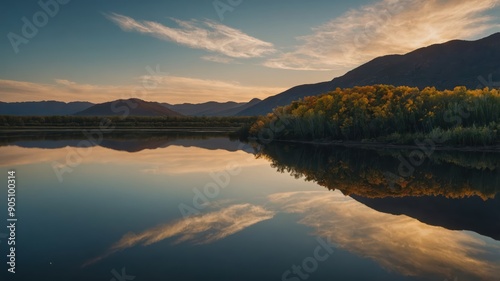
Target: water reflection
pixel 198 153
pixel 364 172
pixel 202 229
pixel 123 141
pixel 415 228
pixel 397 243
pixel 453 190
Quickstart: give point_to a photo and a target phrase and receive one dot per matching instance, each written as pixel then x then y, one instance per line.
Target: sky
pixel 212 50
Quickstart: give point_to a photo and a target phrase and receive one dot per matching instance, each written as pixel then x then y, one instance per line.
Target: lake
pixel 205 207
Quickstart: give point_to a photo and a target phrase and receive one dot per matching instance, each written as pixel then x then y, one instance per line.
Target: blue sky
pixel 187 51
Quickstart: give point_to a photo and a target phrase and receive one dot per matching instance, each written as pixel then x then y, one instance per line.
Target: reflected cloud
pixel 196 161
pixel 398 243
pixel 169 160
pixel 201 229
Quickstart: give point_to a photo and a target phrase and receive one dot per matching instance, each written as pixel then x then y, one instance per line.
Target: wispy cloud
pixel 386 27
pixel 206 35
pixel 218 59
pixel 168 88
pixel 199 229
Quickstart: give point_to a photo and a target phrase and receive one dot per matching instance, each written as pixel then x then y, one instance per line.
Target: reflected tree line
pixel 364 172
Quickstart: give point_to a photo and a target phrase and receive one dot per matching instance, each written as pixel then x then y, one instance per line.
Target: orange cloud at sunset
pixel 165 88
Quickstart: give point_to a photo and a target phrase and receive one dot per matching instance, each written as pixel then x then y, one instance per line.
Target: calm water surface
pixel 193 208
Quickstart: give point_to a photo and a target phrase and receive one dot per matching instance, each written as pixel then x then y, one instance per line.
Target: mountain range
pixel 212 108
pixel 130 107
pixel 133 107
pixel 456 63
pixel 474 64
pixel 43 108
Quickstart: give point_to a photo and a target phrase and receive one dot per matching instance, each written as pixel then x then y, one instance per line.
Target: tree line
pixel 121 122
pixel 387 113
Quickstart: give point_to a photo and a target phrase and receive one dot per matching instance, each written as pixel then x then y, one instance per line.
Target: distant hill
pixel 56 108
pixel 211 108
pixel 42 108
pixel 132 107
pixel 236 110
pixel 286 97
pixel 444 66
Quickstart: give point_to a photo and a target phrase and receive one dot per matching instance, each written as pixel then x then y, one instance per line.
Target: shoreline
pixel 379 145
pixel 10 132
pixel 118 130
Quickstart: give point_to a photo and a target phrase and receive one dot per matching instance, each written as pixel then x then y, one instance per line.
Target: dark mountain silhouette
pixel 454 214
pixel 456 63
pixel 287 97
pixel 236 110
pixel 56 108
pixel 130 107
pixel 203 109
pixel 211 108
pixel 42 108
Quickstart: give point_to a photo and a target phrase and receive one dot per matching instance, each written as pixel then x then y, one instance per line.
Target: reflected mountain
pixel 173 155
pixel 397 243
pixel 124 141
pixel 473 213
pixel 455 190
